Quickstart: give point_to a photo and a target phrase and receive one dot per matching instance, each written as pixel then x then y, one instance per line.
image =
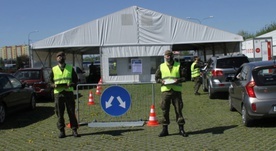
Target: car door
pixel 238 91
pixel 8 95
pixel 20 97
pixel 206 73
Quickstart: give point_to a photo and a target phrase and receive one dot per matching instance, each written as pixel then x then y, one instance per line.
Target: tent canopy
pixel 136 26
pixel 135 33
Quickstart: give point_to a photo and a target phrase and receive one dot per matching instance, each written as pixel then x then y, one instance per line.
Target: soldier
pixel 171 75
pixel 195 74
pixel 63 79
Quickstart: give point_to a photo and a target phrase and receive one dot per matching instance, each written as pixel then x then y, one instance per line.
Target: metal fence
pixel 90 99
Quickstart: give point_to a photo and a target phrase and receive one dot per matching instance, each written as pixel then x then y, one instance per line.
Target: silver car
pixel 217 70
pixel 253 91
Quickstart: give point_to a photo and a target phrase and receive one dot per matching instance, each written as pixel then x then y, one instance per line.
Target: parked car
pixel 81 75
pixel 38 79
pixel 252 91
pixel 217 70
pixel 14 96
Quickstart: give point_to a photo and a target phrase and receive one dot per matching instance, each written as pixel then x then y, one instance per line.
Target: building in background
pixel 12 52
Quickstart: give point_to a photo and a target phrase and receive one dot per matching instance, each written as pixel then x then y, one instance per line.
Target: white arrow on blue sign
pixel 115 101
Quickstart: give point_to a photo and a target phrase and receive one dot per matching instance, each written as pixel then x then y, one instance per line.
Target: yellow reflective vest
pixel 195 72
pixel 63 78
pixel 167 74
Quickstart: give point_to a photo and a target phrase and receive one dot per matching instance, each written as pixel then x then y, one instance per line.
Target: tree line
pixel 264 30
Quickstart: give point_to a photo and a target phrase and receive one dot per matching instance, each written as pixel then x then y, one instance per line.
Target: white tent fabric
pixel 134 32
pixel 136 26
pixel 247 46
pixel 270 34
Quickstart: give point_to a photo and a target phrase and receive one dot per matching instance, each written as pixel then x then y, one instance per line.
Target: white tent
pixel 264 43
pixel 137 33
pixel 272 35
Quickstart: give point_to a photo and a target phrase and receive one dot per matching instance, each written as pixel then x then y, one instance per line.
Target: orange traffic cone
pixel 100 82
pixel 91 99
pixel 99 86
pixel 98 91
pixel 69 125
pixel 152 118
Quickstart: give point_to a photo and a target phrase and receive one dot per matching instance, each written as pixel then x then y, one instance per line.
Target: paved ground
pixel 209 123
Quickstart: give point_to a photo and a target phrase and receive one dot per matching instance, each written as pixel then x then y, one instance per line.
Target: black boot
pixel 61 134
pixel 75 133
pixel 164 131
pixel 181 131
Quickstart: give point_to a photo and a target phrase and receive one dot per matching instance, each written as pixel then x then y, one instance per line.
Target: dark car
pixel 38 79
pixel 217 70
pixel 14 96
pixel 252 91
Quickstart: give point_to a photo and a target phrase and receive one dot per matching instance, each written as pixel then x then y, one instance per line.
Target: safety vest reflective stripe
pixel 173 74
pixel 64 77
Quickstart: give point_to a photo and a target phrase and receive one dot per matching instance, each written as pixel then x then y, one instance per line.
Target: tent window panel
pixel 112 66
pixel 127 19
pixel 123 66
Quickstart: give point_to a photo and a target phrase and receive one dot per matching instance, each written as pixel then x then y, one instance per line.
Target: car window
pixel 234 62
pixel 265 76
pixel 15 83
pixel 244 73
pixel 4 83
pixel 28 75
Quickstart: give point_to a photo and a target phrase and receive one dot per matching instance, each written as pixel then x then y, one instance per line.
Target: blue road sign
pixel 115 101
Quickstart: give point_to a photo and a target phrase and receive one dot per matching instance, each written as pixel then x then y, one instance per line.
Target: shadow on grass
pixel 47 99
pixel 213 130
pixel 26 118
pixel 267 122
pixel 113 132
pixel 218 96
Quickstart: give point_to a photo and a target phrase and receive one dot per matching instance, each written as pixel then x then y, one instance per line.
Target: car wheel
pixel 33 102
pixel 231 108
pixel 246 120
pixel 211 94
pixel 3 113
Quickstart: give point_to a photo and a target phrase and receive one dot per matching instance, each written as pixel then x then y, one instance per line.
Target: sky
pixel 33 20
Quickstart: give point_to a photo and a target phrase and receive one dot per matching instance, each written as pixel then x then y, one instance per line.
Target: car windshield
pixel 234 62
pixel 27 75
pixel 4 83
pixel 265 76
